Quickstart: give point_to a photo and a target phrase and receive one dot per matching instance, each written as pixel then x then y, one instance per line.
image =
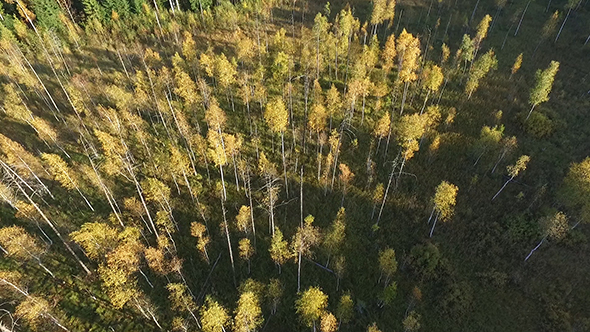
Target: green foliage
pixel 543 84
pixel 48 12
pixel 117 114
pixel 480 69
pixel 200 5
pixel 425 259
pixel 539 125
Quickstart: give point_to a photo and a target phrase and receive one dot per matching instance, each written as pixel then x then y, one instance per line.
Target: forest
pixel 294 165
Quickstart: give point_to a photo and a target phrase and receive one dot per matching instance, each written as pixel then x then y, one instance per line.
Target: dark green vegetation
pixel 280 166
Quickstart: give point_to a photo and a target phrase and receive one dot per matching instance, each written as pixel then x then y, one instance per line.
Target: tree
pixel 516 65
pixel 480 69
pixel 373 328
pixel 334 238
pixel 248 315
pixel 181 300
pixel 307 236
pixel 22 246
pixel 382 128
pixel 345 310
pixel 408 52
pixel 514 170
pixel 432 78
pixel 554 227
pixel 466 51
pixel 269 173
pixel 214 317
pixel 548 28
pixel 246 251
pixel 317 118
pixel 571 4
pixel 543 85
pixel 61 172
pixel 488 139
pixel 320 29
pixel 509 144
pixel 408 130
pixel 279 249
pixel 444 200
pixel 412 322
pixel 328 322
pixel 346 176
pixel 198 230
pixel 482 32
pixel 389 53
pixel 274 294
pixel 277 119
pixel 339 269
pixel 333 103
pixel 387 264
pixel 34 310
pixel 575 192
pixel 243 219
pixel 310 305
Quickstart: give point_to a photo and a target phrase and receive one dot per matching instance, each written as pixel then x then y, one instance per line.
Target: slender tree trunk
pixel 506 36
pixel 434 224
pixel 284 163
pixel 534 249
pixel 425 100
pixel 499 160
pixel 521 18
pixel 495 18
pixel 385 195
pixel 504 186
pixel 563 24
pixel 301 196
pixel 14 175
pixel 404 97
pixel 531 111
pixel 251 210
pixel 299 270
pixel 473 13
pixel 226 227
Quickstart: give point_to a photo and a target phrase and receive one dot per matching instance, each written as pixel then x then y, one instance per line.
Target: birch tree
pixel 432 78
pixel 20 245
pixel 480 69
pixel 303 241
pixel 516 65
pixel 571 4
pixel 543 85
pixel 214 317
pixel 387 265
pixel 444 200
pixel 554 228
pixel 310 305
pixel 246 251
pixel 248 315
pixel 198 231
pixel 279 249
pixel 514 171
pixel 334 238
pixel 408 52
pixel 575 193
pixel 62 173
pixel 277 119
pixel 181 300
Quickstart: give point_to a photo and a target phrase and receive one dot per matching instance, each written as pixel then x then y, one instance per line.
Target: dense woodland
pixel 287 165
